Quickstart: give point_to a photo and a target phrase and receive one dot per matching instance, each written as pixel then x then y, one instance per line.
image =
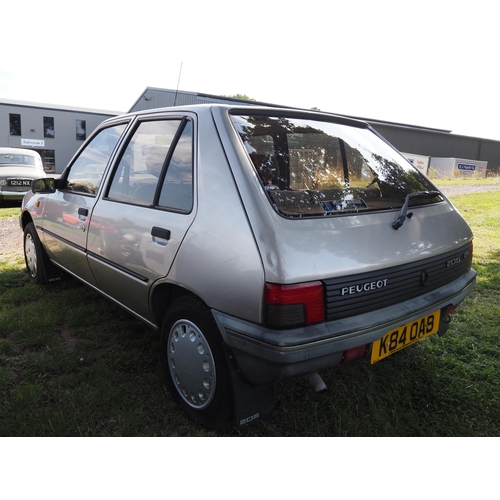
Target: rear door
pixel 67 211
pixel 147 208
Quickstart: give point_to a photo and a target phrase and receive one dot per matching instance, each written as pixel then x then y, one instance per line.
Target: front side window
pixel 156 167
pixel 15 124
pixel 319 168
pixel 86 172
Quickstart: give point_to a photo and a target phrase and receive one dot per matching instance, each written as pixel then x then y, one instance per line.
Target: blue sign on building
pixel 467 166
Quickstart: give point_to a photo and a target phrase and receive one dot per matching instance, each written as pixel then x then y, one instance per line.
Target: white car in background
pixel 18 167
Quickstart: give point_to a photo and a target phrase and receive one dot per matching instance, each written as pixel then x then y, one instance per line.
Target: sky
pixel 426 63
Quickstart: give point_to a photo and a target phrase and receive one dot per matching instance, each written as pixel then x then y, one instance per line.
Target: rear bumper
pixel 266 356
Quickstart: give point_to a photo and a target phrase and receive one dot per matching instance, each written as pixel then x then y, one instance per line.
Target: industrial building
pixel 56 132
pixel 411 139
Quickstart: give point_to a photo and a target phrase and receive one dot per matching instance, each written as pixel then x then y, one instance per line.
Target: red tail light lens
pixel 294 305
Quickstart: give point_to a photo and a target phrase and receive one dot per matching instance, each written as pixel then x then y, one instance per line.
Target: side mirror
pixel 47 185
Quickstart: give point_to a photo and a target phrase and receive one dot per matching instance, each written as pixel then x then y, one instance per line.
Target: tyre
pixel 195 364
pixel 37 262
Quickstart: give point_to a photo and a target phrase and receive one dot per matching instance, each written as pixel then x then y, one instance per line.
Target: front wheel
pixel 37 262
pixel 195 364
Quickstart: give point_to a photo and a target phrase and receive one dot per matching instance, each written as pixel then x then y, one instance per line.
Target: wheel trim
pixel 30 255
pixel 191 364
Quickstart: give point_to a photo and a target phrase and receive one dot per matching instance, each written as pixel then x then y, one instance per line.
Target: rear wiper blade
pixel 403 214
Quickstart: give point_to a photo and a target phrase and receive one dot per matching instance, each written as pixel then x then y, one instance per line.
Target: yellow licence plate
pixel 405 335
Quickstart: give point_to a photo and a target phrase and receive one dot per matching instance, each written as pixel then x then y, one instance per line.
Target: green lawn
pixel 73 364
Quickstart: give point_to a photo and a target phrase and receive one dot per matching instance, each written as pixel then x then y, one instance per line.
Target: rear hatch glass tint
pixel 322 168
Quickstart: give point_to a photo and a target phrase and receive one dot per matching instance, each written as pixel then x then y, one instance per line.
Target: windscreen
pixel 320 168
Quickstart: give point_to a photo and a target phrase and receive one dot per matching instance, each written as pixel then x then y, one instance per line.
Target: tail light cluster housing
pixel 291 306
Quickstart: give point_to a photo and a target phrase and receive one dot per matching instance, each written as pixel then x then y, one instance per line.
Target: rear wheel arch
pixel 163 296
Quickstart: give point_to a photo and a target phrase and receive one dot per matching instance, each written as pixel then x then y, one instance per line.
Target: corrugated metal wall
pixel 421 141
pixel 64 143
pixel 164 98
pixel 442 144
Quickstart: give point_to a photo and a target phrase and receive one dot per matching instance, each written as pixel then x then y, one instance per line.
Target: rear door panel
pixel 137 229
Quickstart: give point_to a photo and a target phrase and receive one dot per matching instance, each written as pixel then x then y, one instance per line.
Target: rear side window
pixel 177 188
pixel 156 167
pixel 86 173
pixel 319 168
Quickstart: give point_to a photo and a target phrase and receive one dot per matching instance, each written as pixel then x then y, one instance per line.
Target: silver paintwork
pixel 310 249
pixel 230 243
pixel 266 357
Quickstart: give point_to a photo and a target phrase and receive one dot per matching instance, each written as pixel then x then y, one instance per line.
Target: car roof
pixel 18 151
pixel 242 109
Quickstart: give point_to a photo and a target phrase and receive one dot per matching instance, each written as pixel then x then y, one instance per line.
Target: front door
pixel 67 212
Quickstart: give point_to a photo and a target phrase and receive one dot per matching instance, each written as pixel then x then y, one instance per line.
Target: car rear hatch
pixel 337 204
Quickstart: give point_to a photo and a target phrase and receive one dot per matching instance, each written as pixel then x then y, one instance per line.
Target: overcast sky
pixel 429 63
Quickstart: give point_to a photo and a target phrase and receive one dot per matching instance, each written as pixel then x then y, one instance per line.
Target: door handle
pixel 83 211
pixel 159 232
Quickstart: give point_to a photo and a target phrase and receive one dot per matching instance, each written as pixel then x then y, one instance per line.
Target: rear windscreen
pixel 318 168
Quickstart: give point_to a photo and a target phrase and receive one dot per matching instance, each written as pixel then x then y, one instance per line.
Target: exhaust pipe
pixel 317 382
pixel 445 323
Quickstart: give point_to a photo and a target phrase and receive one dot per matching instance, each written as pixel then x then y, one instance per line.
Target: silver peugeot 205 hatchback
pixel 261 243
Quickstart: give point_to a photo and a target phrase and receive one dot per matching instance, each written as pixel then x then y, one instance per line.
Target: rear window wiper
pixel 403 214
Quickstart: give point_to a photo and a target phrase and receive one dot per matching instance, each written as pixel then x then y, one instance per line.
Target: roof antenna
pixel 177 89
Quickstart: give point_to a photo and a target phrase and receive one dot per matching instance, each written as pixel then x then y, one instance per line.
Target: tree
pixel 240 96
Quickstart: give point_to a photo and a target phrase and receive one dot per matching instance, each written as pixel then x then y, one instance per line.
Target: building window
pixel 48 127
pixel 48 158
pixel 81 130
pixel 15 124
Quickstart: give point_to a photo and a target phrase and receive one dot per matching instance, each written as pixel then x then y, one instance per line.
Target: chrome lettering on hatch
pixel 365 287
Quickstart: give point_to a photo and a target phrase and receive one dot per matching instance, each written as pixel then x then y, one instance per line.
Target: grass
pixel 10 212
pixel 73 364
pixel 460 181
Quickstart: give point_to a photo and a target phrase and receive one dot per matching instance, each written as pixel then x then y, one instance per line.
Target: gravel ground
pixel 11 236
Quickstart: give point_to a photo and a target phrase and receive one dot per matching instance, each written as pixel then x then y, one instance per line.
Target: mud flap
pixel 251 402
pixel 53 272
pixel 445 320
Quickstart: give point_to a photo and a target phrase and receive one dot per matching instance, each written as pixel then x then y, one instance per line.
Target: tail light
pixel 296 305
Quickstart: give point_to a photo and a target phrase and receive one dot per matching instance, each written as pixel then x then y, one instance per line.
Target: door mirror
pixel 47 185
